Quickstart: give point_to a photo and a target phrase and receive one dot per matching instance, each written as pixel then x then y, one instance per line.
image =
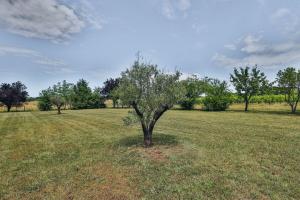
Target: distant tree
pixel 248 83
pixel 151 93
pixel 109 86
pixel 44 100
pixel 84 98
pixel 218 97
pixel 289 83
pixel 58 100
pixel 96 99
pixel 67 93
pixel 13 94
pixel 194 88
pixel 81 95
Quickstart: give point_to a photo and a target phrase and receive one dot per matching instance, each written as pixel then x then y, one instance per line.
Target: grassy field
pixel 89 154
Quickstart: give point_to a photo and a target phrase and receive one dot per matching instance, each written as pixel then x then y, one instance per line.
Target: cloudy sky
pixel 46 41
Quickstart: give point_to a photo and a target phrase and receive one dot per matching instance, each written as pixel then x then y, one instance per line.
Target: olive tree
pixel 249 82
pixel 150 92
pixel 57 100
pixel 289 83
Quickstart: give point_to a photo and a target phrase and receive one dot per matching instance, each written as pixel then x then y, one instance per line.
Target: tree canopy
pixel 13 94
pixel 108 89
pixel 249 82
pixel 289 83
pixel 151 93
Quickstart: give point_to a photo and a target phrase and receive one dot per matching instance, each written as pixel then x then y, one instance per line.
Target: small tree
pixel 193 87
pixel 248 83
pixel 289 83
pixel 44 100
pixel 67 93
pixel 57 100
pixel 81 95
pixel 151 93
pixel 96 99
pixel 13 94
pixel 107 90
pixel 218 97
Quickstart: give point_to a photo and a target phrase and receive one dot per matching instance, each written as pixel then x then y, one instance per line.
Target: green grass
pixel 89 154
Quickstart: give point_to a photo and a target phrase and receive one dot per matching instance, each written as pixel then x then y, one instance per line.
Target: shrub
pixel 44 100
pixel 216 103
pixel 217 96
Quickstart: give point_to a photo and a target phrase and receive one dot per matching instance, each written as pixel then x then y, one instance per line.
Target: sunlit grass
pixel 89 154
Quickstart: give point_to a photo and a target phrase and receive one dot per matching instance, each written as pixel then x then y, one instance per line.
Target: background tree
pixel 107 91
pixel 151 93
pixel 194 87
pixel 249 83
pixel 82 94
pixel 44 100
pixel 13 94
pixel 218 97
pixel 67 93
pixel 96 99
pixel 289 83
pixel 58 100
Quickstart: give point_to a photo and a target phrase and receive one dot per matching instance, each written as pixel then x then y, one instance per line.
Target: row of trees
pixel 70 96
pixel 251 86
pixel 150 92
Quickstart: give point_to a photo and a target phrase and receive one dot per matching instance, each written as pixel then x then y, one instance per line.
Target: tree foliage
pixel 44 100
pixel 218 97
pixel 249 82
pixel 194 87
pixel 108 90
pixel 151 93
pixel 289 83
pixel 13 94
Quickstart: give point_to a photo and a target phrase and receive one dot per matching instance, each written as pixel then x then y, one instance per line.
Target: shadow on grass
pixel 271 112
pixel 158 139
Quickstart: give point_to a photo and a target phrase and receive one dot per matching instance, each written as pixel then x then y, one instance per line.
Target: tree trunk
pixel 246 105
pixel 294 108
pixel 148 138
pixel 114 104
pixel 8 108
pixel 58 110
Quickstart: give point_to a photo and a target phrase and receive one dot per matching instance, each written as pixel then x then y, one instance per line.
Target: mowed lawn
pixel 89 154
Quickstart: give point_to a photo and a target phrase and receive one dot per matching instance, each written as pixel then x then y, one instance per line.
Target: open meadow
pixel 90 154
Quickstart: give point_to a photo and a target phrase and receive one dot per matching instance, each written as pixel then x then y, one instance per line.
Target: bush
pixel 216 103
pixel 187 103
pixel 217 96
pixel 194 87
pixel 44 101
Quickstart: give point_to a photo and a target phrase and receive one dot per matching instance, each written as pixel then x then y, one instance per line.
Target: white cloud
pixel 171 9
pixel 47 63
pixel 87 12
pixel 4 50
pixel 253 50
pixel 45 19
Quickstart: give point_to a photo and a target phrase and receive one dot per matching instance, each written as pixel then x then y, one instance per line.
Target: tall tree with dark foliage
pixel 109 86
pixel 13 94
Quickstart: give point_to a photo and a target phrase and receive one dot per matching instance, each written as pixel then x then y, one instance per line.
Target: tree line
pixel 251 86
pixel 150 93
pixel 70 96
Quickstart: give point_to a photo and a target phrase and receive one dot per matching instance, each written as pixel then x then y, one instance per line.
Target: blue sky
pixel 46 41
